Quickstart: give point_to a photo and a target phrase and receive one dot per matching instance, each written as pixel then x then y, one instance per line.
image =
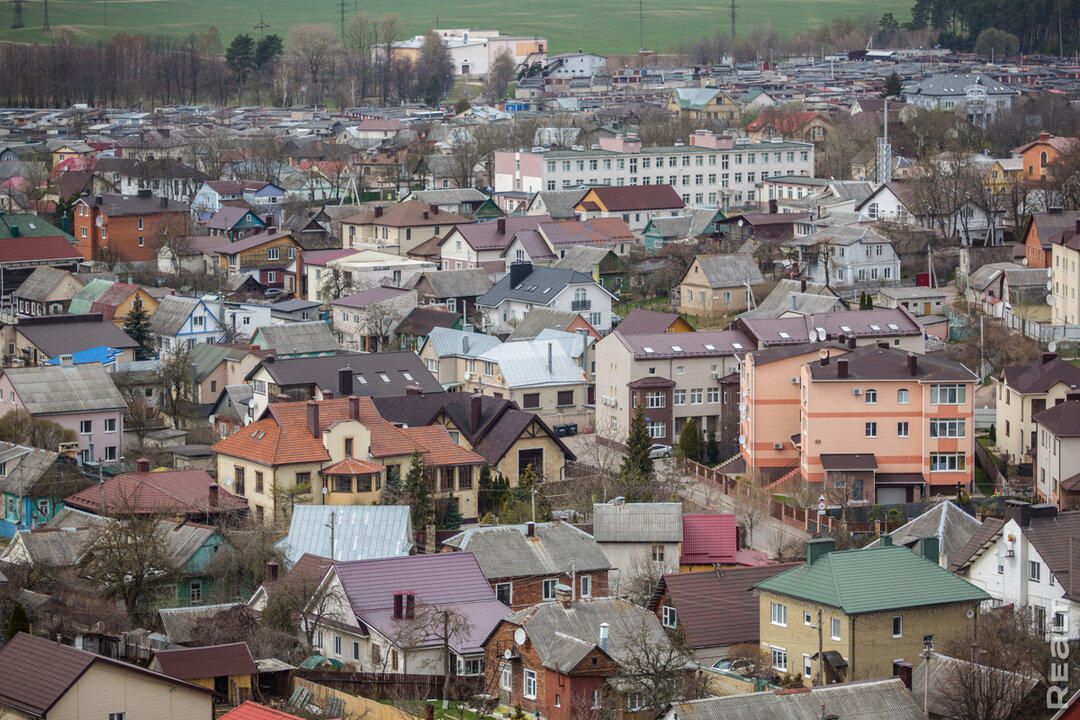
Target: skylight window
pixel 363 381
pixel 875 328
pixel 784 335
pixel 518 286
pixel 676 348
pixel 648 349
pixel 406 375
pixel 384 377
pixel 894 326
pixel 710 347
pixel 532 288
pixel 737 346
pixel 546 291
pixel 845 328
pixel 821 333
pixel 254 433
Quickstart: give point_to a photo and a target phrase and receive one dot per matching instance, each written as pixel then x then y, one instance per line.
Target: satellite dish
pixel 325 490
pixel 1052 347
pixel 228 481
pixel 1049 284
pixel 742 406
pixel 467 375
pixel 1049 299
pixel 970 614
pixel 508 653
pixel 812 335
pixel 99 221
pixel 519 636
pixel 742 439
pixel 1049 272
pixel 740 223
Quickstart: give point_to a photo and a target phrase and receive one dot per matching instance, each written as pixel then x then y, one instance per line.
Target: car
pixel 659 450
pixel 273 292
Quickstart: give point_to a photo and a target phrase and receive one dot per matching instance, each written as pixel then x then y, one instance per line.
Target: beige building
pixel 1065 277
pixel 1057 462
pixel 1024 391
pixel 717 285
pixel 398 229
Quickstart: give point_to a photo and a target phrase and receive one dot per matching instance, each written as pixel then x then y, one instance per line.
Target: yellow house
pixel 225 669
pixel 1003 174
pixel 45 680
pixel 718 284
pixel 114 300
pixel 866 610
pixel 703 104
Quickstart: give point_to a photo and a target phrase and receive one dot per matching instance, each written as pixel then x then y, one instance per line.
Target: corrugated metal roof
pixel 946 521
pixel 361 532
pixel 210 661
pixel 525 364
pixel 42 282
pixel 171 314
pixel 506 551
pixel 181 625
pixel 447 342
pixel 65 389
pixel 297 338
pixel 638 522
pixel 727 271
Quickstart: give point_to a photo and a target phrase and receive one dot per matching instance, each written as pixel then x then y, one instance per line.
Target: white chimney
pixel 603 636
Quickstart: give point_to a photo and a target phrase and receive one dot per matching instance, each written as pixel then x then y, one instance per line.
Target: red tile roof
pixel 638 197
pixel 440 449
pixel 709 539
pixel 352 466
pixel 253 711
pixel 206 662
pixel 170 491
pixel 21 249
pixel 114 295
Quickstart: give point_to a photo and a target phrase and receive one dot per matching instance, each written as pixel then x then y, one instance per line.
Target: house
pixel 1021 695
pixel 33 485
pixel 804 126
pixel 20 256
pixel 796 296
pixel 677 376
pixel 213 194
pixel 651 322
pixel 1057 431
pixel 114 300
pixel 365 269
pixel 225 669
pixel 1042 226
pixel 601 263
pixel 79 683
pixel 527 286
pixel 760 226
pixel 525 563
pixel 312 338
pixel 186 626
pixel 635 534
pixel 687 602
pixel 413 330
pixel 466 202
pixel 231 410
pixel 311 229
pixel 234 223
pixel 707 103
pixel 977 97
pixel 295 310
pixel 540 319
pixel 365 320
pixel 718 284
pixel 891 201
pixel 896 326
pixel 128 228
pixel 265 256
pixel 81 398
pixel 880 606
pixel 180 323
pixel 1037 156
pixel 847 258
pixel 1026 560
pixel 557 204
pixel 945 521
pixel 35 341
pixel 635 204
pixel 1024 391
pixel 482 245
pixel 1066 251
pixel 48 549
pixel 169 176
pixel 300 379
pixel 1006 286
pixel 709 541
pixel 361 532
pixel 456 289
pixel 919 300
pixel 889 698
pixel 376 607
pixel 698 222
pixel 398 228
pixel 191 494
pixel 563 659
pixel 47 291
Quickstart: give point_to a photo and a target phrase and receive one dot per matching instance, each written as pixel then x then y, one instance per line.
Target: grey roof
pixel 563 637
pixel 444 196
pixel 57 335
pixel 540 319
pixel 571 342
pixel 361 532
pixel 561 204
pixel 582 259
pixel 447 342
pixel 182 624
pixel 955 85
pixel 839 235
pixel 505 551
pixel 637 522
pixel 677 227
pixel 289 306
pixel 58 389
pixel 296 338
pixel 181 541
pixel 885 699
pixel 50 547
pixel 25 467
pixel 940 702
pixel 171 314
pixel 402 368
pixel 946 521
pixel 540 286
pixel 205 357
pixel 471 282
pixel 525 364
pixel 725 271
pixel 817 298
pixel 40 283
pixel 114 204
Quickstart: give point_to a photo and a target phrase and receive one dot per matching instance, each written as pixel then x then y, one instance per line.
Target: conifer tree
pixel 637 468
pixel 418 493
pixel 137 327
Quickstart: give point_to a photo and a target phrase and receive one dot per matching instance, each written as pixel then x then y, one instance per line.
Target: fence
pixel 395 686
pixel 352 705
pixel 987 463
pixel 1042 332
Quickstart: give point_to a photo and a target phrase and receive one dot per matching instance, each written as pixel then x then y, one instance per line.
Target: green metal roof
pixel 85 298
pixel 29 226
pixel 873 580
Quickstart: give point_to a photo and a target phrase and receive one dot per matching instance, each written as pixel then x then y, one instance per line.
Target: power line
pixel 17 21
pixel 261 26
pixel 45 29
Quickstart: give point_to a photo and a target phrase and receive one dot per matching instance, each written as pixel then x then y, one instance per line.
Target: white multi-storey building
pixel 711 171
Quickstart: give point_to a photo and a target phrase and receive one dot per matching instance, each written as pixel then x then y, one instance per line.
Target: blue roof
pixel 100 354
pixel 361 532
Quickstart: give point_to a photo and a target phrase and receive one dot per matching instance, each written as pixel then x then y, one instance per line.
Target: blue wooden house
pixel 33 485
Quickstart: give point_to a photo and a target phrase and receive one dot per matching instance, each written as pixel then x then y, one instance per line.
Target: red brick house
pixel 127 227
pixel 525 563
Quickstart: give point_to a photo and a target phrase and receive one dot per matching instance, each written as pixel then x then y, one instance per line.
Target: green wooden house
pixel 696 223
pixel 413 330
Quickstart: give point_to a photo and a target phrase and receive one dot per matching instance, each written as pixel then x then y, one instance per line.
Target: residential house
pixel 179 323
pixel 234 223
pixel 213 194
pixel 215 367
pixel 687 602
pixel 228 670
pixel 482 245
pixel 48 549
pixel 231 411
pixel 361 532
pixel 709 542
pixel 796 297
pixel 365 320
pixel 978 97
pixel 891 201
pixel 946 521
pixel 607 268
pixel 47 291
pixel 456 289
pixel 317 280
pixel 718 284
pixel 37 340
pixel 1024 391
pixel 808 127
pixel 377 605
pixel 466 202
pixel 1039 155
pixel 941 700
pixel 310 228
pixel 1066 252
pixel 367 269
pixel 527 286
pixel 563 659
pixel 633 535
pixel 635 204
pixel 651 322
pixel 295 310
pixel 823 198
pixel 746 229
pixel 540 319
pixel 447 353
pixel 128 228
pixel 165 175
pixel 847 258
pixel 557 204
pixel 264 256
pixel 1040 227
pixel 114 300
pixel 707 103
pixel 398 228
pixel 20 256
pixel 80 683
pixel 997 287
pixel 296 340
pixel 676 376
pixel 525 563
pixel 1058 435
pixel 696 223
pixel 413 330
pixel 793 187
pixel 896 326
pixel 919 300
pixel 33 485
pixel 879 607
pixel 81 398
pixel 186 626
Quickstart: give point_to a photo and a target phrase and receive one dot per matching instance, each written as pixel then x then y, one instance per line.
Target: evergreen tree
pixel 518 502
pixel 690 441
pixel 637 467
pixel 432 92
pixel 712 448
pixel 492 490
pixel 18 621
pixel 393 493
pixel 240 57
pixel 267 49
pixel 452 520
pixel 894 87
pixel 137 327
pixel 418 494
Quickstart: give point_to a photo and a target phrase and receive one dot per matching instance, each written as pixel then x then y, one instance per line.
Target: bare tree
pixel 751 660
pixel 336 283
pixel 315 47
pixel 658 670
pixel 172 239
pixel 638 581
pixel 752 503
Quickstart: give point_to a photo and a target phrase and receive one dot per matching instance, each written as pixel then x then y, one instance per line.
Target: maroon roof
pixel 114 295
pixel 697 596
pixel 235 187
pixel 1063 419
pixel 707 343
pixel 534 245
pixel 486 235
pixel 1038 376
pixel 851 462
pixel 638 197
pixel 206 662
pixel 227 217
pixel 183 491
pixel 646 322
pixel 321 257
pixel 762 219
pixel 874 363
pixel 709 539
pixel 22 249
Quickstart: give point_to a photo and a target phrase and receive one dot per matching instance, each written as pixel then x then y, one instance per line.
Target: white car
pixel 659 450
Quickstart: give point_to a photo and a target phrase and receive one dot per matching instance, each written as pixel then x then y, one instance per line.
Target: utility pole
pixel 533 498
pixel 641 24
pixel 331 526
pixel 261 26
pixel 820 653
pixel 105 10
pixel 341 3
pixel 733 6
pixel 926 654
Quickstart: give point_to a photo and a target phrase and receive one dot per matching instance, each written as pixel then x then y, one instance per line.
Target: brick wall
pixel 528 591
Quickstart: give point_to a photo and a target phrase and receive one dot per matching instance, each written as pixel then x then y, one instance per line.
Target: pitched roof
pixel 560 204
pixel 726 271
pixel 296 338
pixel 206 662
pixel 56 389
pixel 183 625
pixel 638 522
pixel 253 240
pixel 789 295
pixel 25 467
pixel 171 314
pixel 400 369
pixel 956 84
pixel 870 362
pixel 540 286
pixel 486 235
pixel 227 217
pixel 422 320
pixel 251 710
pixel 590 233
pixel 693 98
pixel 1039 375
pixel 507 551
pixel 51 547
pixel 1051 535
pixel 696 596
pixel 114 204
pixel 638 197
pixel 364 298
pixel 30 226
pixel 646 322
pixel 709 539
pixel 874 580
pixel 976 544
pixel 448 342
pixel 540 319
pixel 39 672
pixel 42 282
pixel 361 532
pixel 22 249
pixel 534 363
pixel 407 214
pixel 166 491
pixel 83 301
pixel 1063 419
pixel 707 343
pixel 946 521
pixel 471 282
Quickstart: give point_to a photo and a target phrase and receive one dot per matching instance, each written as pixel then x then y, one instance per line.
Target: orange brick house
pixel 264 256
pixel 125 227
pixel 1041 227
pixel 1040 154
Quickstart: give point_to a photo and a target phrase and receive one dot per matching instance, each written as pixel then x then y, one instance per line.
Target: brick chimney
pixel 410 605
pixel 313 418
pixel 354 407
pixel 212 495
pixel 378 211
pixel 842 368
pixel 500 225
pixel 562 595
pixel 142 465
pixel 345 381
pixel 272 571
pixel 851 342
pixel 1019 511
pixel 912 364
pixel 1048 357
pixel 903 671
pixel 530 530
pixel 399 605
pixel 434 208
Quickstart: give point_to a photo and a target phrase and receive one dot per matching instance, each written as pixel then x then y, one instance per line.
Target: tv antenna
pixel 17 21
pixel 45 29
pixel 261 27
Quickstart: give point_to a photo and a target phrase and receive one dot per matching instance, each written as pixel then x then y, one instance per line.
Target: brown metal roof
pixel 856 462
pixel 1062 419
pixel 1038 376
pixel 206 662
pixel 875 363
pixel 646 322
pixel 638 197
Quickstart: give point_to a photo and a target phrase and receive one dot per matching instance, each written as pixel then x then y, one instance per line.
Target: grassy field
pixel 602 26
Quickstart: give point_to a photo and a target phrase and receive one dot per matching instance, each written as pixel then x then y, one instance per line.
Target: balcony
pixel 577 305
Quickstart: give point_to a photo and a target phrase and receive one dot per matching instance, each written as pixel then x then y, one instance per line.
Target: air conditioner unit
pixel 794 381
pixel 717 374
pixel 778 446
pixel 856 391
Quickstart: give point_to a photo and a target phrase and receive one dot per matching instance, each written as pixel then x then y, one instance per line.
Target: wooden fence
pixel 395 686
pixel 986 462
pixel 353 706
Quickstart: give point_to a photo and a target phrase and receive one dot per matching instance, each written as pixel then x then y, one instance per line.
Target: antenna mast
pixel 733 6
pixel 641 24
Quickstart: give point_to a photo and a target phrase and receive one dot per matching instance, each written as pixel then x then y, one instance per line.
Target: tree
pixel 435 66
pixel 18 621
pixel 178 399
pixel 240 57
pixel 20 427
pixel 137 327
pixel 637 467
pixel 894 87
pixel 418 493
pixel 241 567
pixel 500 75
pixel 446 626
pixel 997 43
pixel 518 502
pixel 452 519
pixel 492 489
pixel 314 46
pixel 432 92
pixel 751 660
pixel 752 501
pixel 278 612
pixel 690 441
pixel 267 50
pixel 712 448
pixel 393 492
pixel 656 666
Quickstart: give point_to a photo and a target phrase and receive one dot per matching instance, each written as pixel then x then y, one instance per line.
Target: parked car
pixel 273 292
pixel 659 450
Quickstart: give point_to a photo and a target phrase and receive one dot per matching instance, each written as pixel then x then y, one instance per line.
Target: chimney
pixel 1053 211
pixel 429 540
pixel 852 342
pixel 818 548
pixel 1078 225
pixel 1019 511
pixel 345 381
pixel 912 364
pixel 212 493
pixel 825 359
pixel 164 201
pixel 903 671
pixel 144 193
pixel 886 540
pixel 425 214
pixel 434 208
pixel 501 225
pixel 883 344
pixel 142 465
pixel 802 285
pixel 549 358
pixel 519 271
pixel 66 360
pixel 562 595
pixel 414 390
pixel 1072 397
pixel 98 199
pixel 841 368
pixel 300 291
pixel 354 407
pixel 313 418
pixel 928 548
pixel 399 603
pixel 530 529
pixel 772 207
pixel 476 409
pixel 378 211
pixel 1044 510
pixel 328 395
pixel 1044 136
pixel 465 344
pixel 410 603
pixel 603 636
pixel 281 398
pixel 272 571
pixel 1048 356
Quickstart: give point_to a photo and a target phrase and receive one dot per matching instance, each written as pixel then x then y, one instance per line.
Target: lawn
pixel 452 712
pixel 601 26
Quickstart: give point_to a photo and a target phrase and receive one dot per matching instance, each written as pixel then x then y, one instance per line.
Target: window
pixel 671 617
pixel 586 586
pixel 695 396
pixel 118 716
pixel 898 626
pixel 110 425
pixel 489 368
pixel 271 276
pixel 657 430
pixel 807 668
pixel 779 614
pixel 656 399
pixel 348 447
pixel 947 462
pixel 714 395
pixel 595 700
pixel 834 629
pixel 806 619
pixel 680 397
pixel 258 481
pixel 471 666
pixel 902 397
pixel 530 685
pixel 779 659
pixel 273 253
pixel 140 223
pixel 530 401
pixel 658 552
pixel 901 429
pixel 140 241
pixel 549 588
pixel 947 428
pixel 507 678
pixel 356 651
pixel 238 478
pixel 871 397
pixel 337 645
pixel 871 429
pixel 110 452
pixel 1034 570
pixel 635 702
pixel 195 592
pixel 947 394
pixel 86 427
